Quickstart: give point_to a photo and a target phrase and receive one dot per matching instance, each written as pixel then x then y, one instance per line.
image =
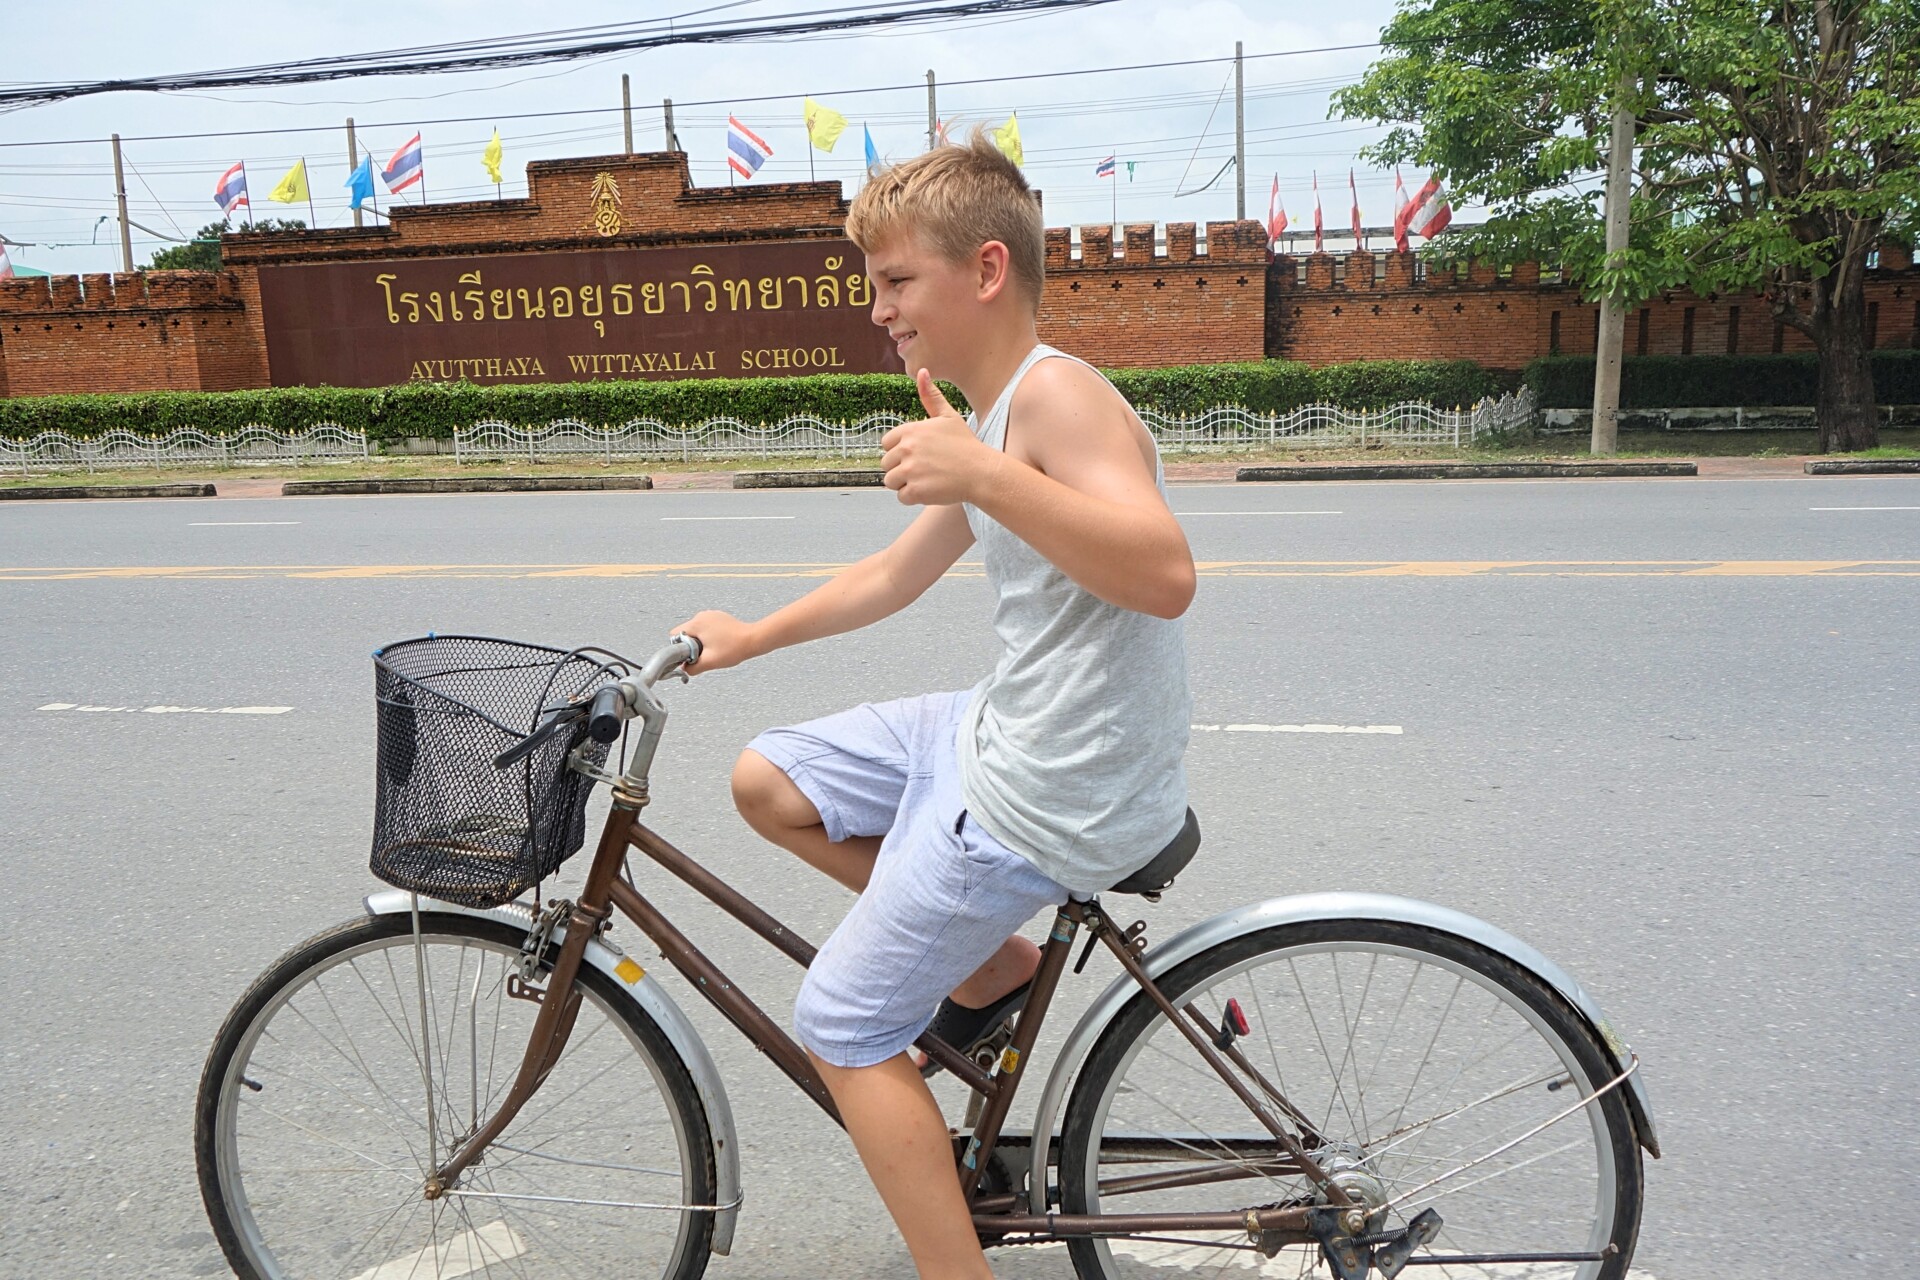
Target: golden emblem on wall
pixel 606 204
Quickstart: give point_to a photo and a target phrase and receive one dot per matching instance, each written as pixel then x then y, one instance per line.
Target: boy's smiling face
pixel 927 303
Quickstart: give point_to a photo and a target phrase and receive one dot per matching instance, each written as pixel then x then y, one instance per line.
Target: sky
pixel 1174 123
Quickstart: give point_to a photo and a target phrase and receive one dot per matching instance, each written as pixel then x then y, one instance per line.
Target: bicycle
pixel 467 1082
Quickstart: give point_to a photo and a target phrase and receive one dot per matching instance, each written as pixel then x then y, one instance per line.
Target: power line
pixel 550 46
pixel 918 86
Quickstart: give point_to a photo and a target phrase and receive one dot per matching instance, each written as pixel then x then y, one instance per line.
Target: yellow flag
pixel 824 124
pixel 293 187
pixel 1007 138
pixel 491 158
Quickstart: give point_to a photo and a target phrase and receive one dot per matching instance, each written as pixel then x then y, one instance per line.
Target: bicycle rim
pixel 1427 1073
pixel 314 1137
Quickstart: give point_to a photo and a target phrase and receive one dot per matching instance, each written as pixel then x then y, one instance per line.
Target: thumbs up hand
pixel 937 461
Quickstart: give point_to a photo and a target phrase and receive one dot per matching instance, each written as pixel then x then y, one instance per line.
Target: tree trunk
pixel 1845 415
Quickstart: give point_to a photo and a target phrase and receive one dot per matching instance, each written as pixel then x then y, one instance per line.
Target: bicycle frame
pixel 998 1215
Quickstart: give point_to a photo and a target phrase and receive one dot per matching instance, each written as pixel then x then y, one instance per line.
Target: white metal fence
pixel 185 447
pixel 1225 428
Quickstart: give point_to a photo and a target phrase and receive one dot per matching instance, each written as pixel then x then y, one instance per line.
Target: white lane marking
pixel 1295 728
pixel 464 1254
pixel 1259 513
pixel 728 517
pixel 1863 508
pixel 163 709
pixel 208 524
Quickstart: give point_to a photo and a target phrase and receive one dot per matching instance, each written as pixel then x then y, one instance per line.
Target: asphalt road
pixel 1663 730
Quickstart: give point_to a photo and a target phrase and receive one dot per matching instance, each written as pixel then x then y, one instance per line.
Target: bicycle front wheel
pixel 1421 1072
pixel 312 1126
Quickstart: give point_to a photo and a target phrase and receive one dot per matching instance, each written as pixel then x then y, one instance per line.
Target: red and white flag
pixel 1276 213
pixel 1427 214
pixel 6 263
pixel 1399 207
pixel 1359 241
pixel 1319 225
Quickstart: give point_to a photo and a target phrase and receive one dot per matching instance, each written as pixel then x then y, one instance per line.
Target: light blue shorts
pixel 944 894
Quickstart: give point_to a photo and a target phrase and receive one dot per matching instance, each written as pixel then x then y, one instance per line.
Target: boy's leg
pixel 780 812
pixel 897 1128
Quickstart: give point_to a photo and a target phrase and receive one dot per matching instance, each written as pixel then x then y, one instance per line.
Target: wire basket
pixel 447 821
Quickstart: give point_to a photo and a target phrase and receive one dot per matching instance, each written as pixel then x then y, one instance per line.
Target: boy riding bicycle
pixel 959 816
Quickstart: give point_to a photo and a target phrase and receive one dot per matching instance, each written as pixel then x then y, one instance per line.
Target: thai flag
pixel 1104 169
pixel 746 150
pixel 405 168
pixel 231 191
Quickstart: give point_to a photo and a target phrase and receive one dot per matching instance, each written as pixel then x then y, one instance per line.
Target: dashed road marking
pixel 1295 728
pixel 210 524
pixel 1259 513
pixel 971 569
pixel 167 710
pixel 1863 508
pixel 686 519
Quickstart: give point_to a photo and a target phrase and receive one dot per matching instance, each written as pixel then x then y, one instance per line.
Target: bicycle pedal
pixel 1392 1256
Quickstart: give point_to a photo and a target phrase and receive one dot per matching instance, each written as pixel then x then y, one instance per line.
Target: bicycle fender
pixel 657 1005
pixel 1305 907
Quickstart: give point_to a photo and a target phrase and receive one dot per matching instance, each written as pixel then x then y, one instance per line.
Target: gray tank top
pixel 1071 751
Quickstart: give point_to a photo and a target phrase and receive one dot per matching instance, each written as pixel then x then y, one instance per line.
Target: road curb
pixel 1865 467
pixel 1463 470
pixel 109 491
pixel 464 484
pixel 808 479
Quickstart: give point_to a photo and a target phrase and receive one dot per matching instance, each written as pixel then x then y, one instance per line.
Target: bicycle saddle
pixel 1158 874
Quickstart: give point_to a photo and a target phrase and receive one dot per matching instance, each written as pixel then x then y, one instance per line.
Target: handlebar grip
pixel 603 717
pixel 693 648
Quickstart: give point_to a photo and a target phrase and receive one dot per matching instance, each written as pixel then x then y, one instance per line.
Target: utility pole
pixel 673 143
pixel 353 162
pixel 626 111
pixel 933 114
pixel 120 194
pixel 1613 319
pixel 1239 133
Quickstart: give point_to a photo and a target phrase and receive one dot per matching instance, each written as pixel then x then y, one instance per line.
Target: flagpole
pixel 375 193
pixel 1113 181
pixel 313 219
pixel 809 127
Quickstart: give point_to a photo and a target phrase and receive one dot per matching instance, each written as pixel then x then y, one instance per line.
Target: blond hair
pixel 956 198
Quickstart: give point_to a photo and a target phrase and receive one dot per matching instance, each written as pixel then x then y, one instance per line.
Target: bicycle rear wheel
pixel 1426 1073
pixel 311 1132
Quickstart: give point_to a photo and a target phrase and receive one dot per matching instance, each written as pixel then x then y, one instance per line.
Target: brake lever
pixel 556 720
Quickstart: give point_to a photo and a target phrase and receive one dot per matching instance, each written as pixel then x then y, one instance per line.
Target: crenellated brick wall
pixel 1143 303
pixel 1141 308
pixel 1377 310
pixel 172 330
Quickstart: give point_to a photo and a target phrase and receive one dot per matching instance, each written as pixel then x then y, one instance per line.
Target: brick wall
pixel 172 330
pixel 1132 304
pixel 1377 310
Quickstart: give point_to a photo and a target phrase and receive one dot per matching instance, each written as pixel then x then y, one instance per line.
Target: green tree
pixel 202 253
pixel 1778 147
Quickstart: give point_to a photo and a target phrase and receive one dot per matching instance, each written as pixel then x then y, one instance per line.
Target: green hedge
pixel 435 409
pixel 1686 382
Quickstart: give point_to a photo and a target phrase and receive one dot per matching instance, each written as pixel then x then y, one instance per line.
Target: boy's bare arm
pixel 1087 501
pixel 877 587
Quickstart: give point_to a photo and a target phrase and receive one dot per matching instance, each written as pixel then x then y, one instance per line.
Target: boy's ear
pixel 994 264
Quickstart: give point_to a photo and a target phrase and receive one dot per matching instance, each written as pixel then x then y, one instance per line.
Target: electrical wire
pixel 510 51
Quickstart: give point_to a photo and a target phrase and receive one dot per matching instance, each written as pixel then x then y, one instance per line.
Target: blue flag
pixel 360 183
pixel 873 154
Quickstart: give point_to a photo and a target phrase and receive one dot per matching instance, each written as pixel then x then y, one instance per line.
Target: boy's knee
pixel 764 794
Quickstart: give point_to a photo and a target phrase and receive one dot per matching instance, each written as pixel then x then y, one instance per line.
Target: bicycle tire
pixel 291 1039
pixel 1550 1049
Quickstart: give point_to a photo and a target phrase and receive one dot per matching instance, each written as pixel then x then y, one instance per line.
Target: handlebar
pixel 612 704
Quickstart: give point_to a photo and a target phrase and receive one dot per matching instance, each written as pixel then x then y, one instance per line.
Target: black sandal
pixel 970 1030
